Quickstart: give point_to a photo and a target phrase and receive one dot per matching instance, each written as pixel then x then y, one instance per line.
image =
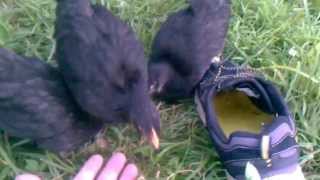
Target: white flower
pixel 123 3
pixel 293 52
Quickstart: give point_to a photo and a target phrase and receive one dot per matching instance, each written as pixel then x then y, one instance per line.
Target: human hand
pixel 115 168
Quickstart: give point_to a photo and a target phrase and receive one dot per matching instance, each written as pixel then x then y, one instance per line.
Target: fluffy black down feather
pixel 104 66
pixel 185 46
pixel 35 104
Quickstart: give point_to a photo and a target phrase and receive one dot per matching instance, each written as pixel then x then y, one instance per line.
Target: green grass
pixel 262 33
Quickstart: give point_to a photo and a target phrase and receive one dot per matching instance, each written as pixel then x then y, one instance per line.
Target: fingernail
pixel 27 177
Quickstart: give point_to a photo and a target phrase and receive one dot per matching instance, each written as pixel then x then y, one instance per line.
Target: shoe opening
pixel 236 112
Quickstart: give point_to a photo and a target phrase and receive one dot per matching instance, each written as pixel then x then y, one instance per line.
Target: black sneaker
pixel 248 121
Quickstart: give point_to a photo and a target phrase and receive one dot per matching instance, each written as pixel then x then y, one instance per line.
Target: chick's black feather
pixel 35 104
pixel 185 46
pixel 103 64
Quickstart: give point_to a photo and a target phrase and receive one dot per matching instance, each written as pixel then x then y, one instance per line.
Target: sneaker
pixel 248 121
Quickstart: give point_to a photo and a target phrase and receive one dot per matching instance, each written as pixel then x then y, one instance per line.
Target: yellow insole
pixel 236 112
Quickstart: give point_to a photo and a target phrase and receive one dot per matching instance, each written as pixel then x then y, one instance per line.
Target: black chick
pixel 104 66
pixel 35 104
pixel 185 46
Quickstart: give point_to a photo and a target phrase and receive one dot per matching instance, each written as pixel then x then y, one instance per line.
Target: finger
pixel 90 169
pixel 113 167
pixel 130 172
pixel 27 177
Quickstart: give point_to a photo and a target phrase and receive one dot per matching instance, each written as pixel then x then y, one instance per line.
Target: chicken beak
pixel 154 139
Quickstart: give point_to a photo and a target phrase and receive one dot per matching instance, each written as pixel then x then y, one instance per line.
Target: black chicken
pixel 104 66
pixel 35 104
pixel 185 46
